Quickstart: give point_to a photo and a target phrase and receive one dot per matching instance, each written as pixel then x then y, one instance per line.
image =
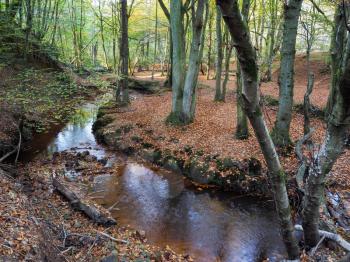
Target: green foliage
pixel 46 97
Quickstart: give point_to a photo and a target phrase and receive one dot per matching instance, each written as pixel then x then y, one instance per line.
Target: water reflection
pixel 210 226
pixel 76 134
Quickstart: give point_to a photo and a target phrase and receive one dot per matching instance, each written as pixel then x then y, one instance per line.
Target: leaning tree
pixel 323 160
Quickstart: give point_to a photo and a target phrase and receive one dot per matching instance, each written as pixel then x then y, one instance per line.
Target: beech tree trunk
pixel 228 54
pixel 333 143
pixel 169 80
pixel 219 56
pixel 210 27
pixel 196 53
pixel 242 131
pixel 250 97
pixel 122 89
pixel 336 51
pixel 286 79
pixel 185 84
pixel 179 59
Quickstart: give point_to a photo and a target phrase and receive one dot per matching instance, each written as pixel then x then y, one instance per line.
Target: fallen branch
pixel 91 211
pixel 8 154
pixel 112 238
pixel 335 237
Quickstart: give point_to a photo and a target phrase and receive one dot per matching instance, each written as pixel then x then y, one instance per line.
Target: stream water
pixel 211 226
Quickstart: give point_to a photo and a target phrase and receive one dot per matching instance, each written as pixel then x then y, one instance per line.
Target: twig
pixel 96 192
pixel 112 238
pixel 313 251
pixel 113 206
pixel 65 251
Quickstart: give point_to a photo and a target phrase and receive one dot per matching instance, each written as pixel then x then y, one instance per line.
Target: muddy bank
pixel 245 176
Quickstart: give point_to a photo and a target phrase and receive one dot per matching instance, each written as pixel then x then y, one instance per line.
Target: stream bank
pixel 245 176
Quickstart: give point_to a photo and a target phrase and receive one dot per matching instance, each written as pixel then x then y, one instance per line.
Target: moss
pixel 178 119
pixel 127 128
pixel 174 119
pixel 241 135
pixel 269 100
pixel 147 145
pixel 314 111
pixel 188 149
pixel 101 122
pixel 136 139
pixel 200 152
pixel 280 140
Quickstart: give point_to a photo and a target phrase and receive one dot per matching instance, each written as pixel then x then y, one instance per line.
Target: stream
pixel 208 225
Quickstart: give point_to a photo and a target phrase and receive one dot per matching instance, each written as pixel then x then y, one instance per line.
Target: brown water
pixel 211 226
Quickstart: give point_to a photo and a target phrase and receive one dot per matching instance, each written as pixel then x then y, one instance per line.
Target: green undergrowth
pixel 44 96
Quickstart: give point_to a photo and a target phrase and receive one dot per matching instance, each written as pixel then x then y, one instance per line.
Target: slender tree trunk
pixel 228 54
pixel 102 34
pixel 53 37
pixel 250 97
pixel 334 141
pixel 122 90
pixel 242 131
pixel 219 56
pixel 29 25
pixel 179 60
pixel 155 41
pixel 210 27
pixel 336 51
pixel 169 79
pixel 286 79
pixel 196 53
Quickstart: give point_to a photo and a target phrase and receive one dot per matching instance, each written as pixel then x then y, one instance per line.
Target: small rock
pixel 103 161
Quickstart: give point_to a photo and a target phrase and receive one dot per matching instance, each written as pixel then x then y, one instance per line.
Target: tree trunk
pixel 196 53
pixel 332 146
pixel 102 34
pixel 155 41
pixel 179 60
pixel 247 59
pixel 228 54
pixel 242 131
pixel 219 56
pixel 210 28
pixel 286 78
pixel 336 51
pixel 122 90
